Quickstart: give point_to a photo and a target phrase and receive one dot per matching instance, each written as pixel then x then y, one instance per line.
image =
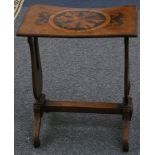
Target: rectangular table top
pixel 52 21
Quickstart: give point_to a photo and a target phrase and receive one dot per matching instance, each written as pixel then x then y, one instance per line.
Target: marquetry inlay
pixel 79 20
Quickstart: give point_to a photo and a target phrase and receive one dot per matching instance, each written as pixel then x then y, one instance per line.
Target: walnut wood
pixel 36 128
pixel 127 114
pixel 37 88
pixel 43 105
pixel 50 21
pixel 126 71
pixel 87 107
pixel 125 136
pixel 36 67
pixel 128 109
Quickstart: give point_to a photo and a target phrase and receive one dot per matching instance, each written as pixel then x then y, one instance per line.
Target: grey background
pixel 76 69
pixel 84 3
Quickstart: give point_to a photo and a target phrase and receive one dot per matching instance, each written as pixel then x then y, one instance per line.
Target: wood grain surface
pixel 52 21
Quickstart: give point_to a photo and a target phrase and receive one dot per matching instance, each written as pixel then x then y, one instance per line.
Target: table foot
pixel 36 129
pixel 36 142
pixel 126 135
pixel 127 114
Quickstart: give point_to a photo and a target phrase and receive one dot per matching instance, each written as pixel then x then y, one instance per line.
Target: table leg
pixel 127 110
pixel 37 88
pixel 126 71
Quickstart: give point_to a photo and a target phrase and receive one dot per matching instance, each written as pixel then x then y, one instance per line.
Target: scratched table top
pixel 52 21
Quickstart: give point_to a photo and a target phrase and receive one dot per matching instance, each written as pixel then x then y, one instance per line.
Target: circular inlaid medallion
pixel 79 20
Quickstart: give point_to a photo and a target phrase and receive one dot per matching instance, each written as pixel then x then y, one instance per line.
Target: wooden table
pixel 62 22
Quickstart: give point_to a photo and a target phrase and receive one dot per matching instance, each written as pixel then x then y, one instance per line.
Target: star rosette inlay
pixel 78 20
